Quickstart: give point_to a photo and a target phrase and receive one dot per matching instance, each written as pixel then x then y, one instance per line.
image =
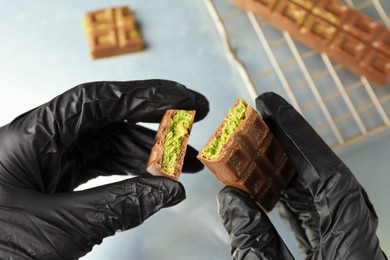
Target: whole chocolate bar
pixel 347 36
pixel 252 159
pixel 112 32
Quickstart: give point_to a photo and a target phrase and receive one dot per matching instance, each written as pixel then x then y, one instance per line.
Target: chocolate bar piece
pixel 112 31
pixel 329 26
pixel 167 155
pixel 244 153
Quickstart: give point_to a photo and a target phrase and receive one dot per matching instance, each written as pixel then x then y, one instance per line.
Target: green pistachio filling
pixel 232 121
pixel 176 133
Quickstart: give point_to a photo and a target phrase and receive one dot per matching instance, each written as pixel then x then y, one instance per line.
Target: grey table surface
pixel 44 52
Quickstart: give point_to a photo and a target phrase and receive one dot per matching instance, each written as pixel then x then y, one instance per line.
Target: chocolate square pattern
pixel 252 159
pixel 111 32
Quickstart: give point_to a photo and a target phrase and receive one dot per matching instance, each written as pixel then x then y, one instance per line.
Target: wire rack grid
pixel 343 107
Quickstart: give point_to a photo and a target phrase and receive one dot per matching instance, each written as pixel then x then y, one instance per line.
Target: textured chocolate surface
pixel 347 36
pixel 252 160
pixel 112 32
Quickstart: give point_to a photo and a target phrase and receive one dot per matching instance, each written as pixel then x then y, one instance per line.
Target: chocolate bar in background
pixel 111 32
pixel 347 36
pixel 252 160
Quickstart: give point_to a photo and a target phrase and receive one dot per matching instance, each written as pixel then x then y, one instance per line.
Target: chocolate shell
pixel 112 32
pixel 154 165
pixel 252 160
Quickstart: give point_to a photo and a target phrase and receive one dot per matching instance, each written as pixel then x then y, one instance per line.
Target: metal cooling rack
pixel 343 107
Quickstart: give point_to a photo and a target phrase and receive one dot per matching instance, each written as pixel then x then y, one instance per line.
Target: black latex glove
pixel 88 131
pixel 324 205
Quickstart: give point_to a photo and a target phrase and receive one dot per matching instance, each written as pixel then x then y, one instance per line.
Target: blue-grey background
pixel 44 52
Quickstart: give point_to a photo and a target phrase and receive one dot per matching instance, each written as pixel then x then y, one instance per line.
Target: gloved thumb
pixel 88 216
pixel 128 203
pixel 252 234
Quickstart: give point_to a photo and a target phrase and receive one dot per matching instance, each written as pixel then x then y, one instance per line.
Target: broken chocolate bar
pixel 243 153
pixel 347 36
pixel 167 155
pixel 112 32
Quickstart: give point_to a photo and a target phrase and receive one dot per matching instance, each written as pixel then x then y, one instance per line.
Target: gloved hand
pixel 325 206
pixel 88 131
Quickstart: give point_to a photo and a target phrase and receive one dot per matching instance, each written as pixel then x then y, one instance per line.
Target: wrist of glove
pixel 325 206
pixel 88 131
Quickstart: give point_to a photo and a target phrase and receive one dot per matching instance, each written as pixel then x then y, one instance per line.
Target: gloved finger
pixel 37 142
pixel 122 205
pixel 74 222
pixel 93 105
pixel 118 149
pixel 297 209
pixel 102 211
pixel 191 164
pixel 252 234
pixel 336 193
pixel 311 156
pixel 131 142
pixel 128 203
